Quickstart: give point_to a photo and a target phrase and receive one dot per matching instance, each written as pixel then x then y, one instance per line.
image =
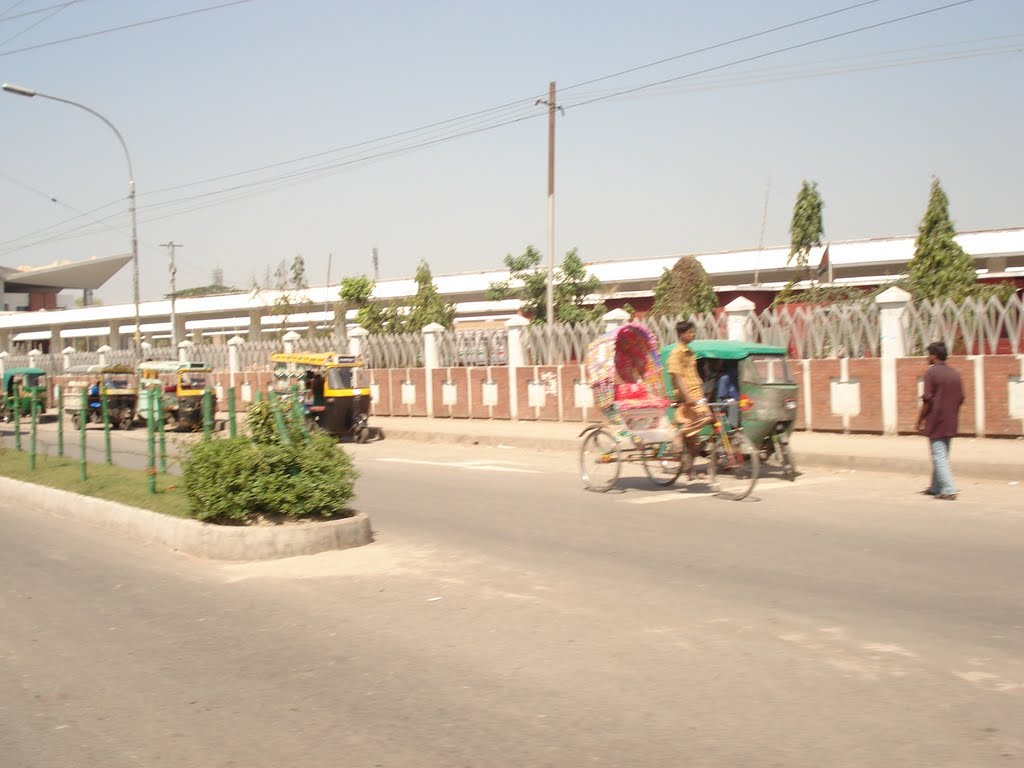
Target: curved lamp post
pixel 20 91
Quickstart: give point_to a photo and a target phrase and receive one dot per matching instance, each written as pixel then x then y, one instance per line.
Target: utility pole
pixel 170 245
pixel 764 223
pixel 552 106
pixel 375 258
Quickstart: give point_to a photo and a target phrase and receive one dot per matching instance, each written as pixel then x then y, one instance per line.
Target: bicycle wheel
pixel 662 463
pixel 733 465
pixel 599 461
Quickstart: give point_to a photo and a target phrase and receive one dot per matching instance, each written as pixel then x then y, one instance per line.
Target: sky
pixel 218 108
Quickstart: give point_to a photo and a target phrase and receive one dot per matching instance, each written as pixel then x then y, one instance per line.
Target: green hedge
pixel 262 477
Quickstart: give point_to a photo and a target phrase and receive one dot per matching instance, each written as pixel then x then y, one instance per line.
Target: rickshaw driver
pixel 692 412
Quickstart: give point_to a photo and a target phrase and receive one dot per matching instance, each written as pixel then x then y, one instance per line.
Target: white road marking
pixel 705 493
pixel 470 465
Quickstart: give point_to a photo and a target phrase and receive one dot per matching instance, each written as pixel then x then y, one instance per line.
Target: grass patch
pixel 105 481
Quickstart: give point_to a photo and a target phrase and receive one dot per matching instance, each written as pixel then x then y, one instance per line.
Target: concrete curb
pixel 214 542
pixel 904 466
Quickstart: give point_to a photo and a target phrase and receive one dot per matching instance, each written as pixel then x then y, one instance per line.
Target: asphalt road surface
pixel 505 617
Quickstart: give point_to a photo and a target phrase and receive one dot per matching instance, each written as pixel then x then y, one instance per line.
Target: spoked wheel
pixel 599 461
pixel 777 452
pixel 662 463
pixel 733 465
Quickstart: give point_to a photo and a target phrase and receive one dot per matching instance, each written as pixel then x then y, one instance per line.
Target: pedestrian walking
pixel 939 418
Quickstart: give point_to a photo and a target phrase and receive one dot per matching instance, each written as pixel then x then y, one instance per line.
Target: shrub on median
pixel 262 477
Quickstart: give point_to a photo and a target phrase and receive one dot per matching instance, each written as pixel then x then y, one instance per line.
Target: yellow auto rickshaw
pixel 334 390
pixel 182 384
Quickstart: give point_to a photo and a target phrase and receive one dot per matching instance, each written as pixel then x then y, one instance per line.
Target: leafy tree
pixel 805 231
pixel 807 227
pixel 684 290
pixel 427 306
pixel 940 269
pixel 354 293
pixel 528 282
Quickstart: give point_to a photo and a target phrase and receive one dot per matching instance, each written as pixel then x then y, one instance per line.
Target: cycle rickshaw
pixel 625 371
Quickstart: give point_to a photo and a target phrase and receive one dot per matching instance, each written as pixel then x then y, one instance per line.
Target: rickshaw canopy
pixel 629 354
pixel 322 359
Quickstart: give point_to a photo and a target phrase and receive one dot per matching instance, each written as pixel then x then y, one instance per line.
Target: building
pixel 755 274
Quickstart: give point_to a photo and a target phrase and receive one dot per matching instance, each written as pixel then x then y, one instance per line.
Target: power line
pixel 37 11
pixel 123 27
pixel 723 44
pixel 479 124
pixel 36 23
pixel 520 102
pixel 785 49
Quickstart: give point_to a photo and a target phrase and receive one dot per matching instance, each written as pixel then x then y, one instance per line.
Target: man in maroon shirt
pixel 939 416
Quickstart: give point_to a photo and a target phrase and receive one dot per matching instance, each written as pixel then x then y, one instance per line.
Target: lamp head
pixel 19 90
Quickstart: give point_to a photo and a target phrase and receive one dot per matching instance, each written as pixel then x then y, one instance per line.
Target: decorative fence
pixel 808 332
pixel 974 327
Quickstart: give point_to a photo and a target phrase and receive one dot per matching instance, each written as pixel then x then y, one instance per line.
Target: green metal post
pixel 282 428
pixel 81 426
pixel 159 398
pixel 150 444
pixel 106 424
pixel 207 414
pixel 60 421
pixel 232 416
pixel 32 438
pixel 17 417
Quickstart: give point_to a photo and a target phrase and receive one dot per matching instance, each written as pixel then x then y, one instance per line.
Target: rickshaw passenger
pixel 692 412
pixel 727 390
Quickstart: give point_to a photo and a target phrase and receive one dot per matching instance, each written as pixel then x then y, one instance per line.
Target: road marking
pixel 764 485
pixel 480 466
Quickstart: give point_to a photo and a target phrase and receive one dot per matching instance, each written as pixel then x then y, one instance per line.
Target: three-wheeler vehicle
pixel 334 391
pixel 181 384
pixel 119 383
pixel 766 405
pixel 22 388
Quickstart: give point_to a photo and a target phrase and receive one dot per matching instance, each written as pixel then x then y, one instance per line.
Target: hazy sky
pixel 681 167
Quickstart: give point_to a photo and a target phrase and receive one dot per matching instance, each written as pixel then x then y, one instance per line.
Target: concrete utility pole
pixel 552 106
pixel 170 246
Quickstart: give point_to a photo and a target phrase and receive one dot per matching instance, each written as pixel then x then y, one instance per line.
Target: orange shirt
pixel 682 362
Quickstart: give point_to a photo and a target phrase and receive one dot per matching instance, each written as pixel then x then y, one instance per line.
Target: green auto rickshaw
pixel 22 388
pixel 756 382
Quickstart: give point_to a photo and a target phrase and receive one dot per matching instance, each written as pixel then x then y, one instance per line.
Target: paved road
pixel 504 617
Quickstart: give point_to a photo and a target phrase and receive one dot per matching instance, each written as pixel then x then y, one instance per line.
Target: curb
pixel 961 469
pixel 213 542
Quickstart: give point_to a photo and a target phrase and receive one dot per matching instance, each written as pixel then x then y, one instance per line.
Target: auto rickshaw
pixel 182 386
pixel 118 382
pixel 336 398
pixel 763 387
pixel 22 387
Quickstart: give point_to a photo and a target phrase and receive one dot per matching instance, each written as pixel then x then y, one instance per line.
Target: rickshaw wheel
pixel 126 421
pixel 363 435
pixel 599 461
pixel 663 463
pixel 76 421
pixel 733 466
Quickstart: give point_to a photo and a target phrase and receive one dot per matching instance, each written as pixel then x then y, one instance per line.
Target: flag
pixel 825 267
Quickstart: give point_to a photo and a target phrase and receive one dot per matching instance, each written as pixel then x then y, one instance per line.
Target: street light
pixel 20 91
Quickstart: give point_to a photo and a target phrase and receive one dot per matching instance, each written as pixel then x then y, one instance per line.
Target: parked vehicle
pixel 119 383
pixel 335 395
pixel 22 387
pixel 181 384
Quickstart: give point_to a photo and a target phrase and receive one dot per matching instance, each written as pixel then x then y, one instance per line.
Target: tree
pixel 807 227
pixel 427 306
pixel 573 286
pixel 805 231
pixel 940 268
pixel 684 290
pixel 290 282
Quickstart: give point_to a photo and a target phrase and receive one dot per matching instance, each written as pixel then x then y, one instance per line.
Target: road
pixel 505 617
